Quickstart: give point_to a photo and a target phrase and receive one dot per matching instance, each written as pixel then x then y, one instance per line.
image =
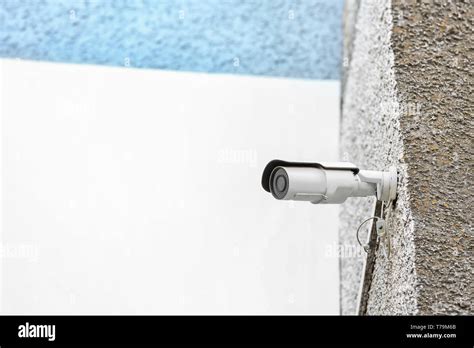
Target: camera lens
pixel 279 183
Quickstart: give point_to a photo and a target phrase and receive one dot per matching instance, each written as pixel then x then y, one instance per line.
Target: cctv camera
pixel 326 183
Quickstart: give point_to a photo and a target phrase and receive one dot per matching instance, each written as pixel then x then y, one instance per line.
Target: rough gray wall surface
pixel 432 44
pixel 371 138
pixel 407 103
pixel 351 8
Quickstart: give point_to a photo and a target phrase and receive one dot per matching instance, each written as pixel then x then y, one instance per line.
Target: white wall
pixel 138 191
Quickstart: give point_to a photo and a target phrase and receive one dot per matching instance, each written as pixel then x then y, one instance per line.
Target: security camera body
pixel 326 183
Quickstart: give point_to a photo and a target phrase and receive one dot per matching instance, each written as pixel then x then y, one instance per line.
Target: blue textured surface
pixel 290 38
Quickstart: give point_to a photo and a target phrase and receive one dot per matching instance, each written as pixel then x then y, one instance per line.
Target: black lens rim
pixel 276 173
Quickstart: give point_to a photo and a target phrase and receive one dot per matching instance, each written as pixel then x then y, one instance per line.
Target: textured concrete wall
pixel 299 39
pixel 407 101
pixel 351 8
